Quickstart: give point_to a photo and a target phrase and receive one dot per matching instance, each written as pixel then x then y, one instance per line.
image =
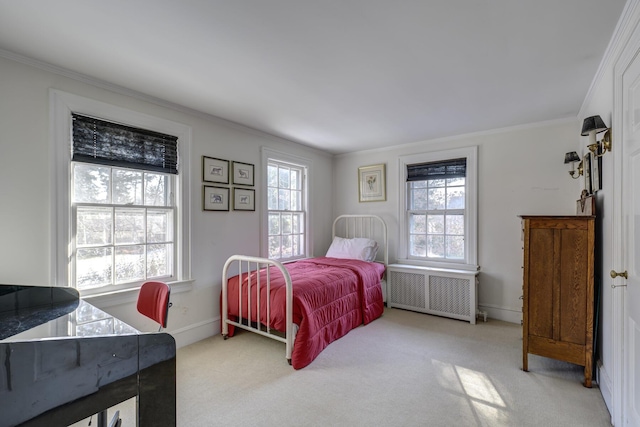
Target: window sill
pixel 126 296
pixel 435 270
pixel 439 265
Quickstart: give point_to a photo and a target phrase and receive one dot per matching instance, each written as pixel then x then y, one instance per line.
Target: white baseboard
pixel 502 313
pixel 196 332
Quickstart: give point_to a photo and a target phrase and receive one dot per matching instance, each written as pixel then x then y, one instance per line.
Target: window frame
pixel 118 207
pixel 469 262
pixel 269 155
pixel 62 105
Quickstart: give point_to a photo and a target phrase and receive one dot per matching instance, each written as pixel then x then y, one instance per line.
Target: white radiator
pixel 443 292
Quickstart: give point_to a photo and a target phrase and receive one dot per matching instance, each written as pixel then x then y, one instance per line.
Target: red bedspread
pixel 330 297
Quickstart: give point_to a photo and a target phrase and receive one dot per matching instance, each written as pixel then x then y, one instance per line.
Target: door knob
pixel 615 274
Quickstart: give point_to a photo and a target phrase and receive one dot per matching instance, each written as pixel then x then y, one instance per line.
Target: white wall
pixel 520 171
pixel 25 171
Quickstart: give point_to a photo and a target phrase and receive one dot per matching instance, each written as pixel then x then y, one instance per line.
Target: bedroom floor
pixel 404 369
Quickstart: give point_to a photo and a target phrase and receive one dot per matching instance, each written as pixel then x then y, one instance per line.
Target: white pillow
pixel 356 248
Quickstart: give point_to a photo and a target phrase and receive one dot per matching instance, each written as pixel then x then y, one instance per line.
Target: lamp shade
pixel 593 123
pixel 571 157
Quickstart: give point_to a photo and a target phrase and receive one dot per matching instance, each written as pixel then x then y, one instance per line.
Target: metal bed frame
pixel 347 226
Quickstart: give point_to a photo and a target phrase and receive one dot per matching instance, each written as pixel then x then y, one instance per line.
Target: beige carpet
pixel 404 369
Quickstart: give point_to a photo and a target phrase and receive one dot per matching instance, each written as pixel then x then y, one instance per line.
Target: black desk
pixel 62 360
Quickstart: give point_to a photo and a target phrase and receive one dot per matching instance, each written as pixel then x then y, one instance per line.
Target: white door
pixel 630 240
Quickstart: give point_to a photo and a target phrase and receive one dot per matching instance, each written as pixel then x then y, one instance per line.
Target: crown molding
pixel 459 137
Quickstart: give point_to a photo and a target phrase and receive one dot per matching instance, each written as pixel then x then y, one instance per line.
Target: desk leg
pixel 102 418
pixel 157 381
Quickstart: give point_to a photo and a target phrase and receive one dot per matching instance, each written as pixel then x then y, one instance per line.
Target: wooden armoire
pixel 558 286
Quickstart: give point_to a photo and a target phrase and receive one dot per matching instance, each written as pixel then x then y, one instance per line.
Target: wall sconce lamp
pixel 592 126
pixel 572 158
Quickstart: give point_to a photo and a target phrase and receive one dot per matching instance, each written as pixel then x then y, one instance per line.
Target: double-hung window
pixel 286 203
pixel 439 208
pixel 120 214
pixel 123 210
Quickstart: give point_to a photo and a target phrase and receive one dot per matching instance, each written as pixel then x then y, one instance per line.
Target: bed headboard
pixel 369 226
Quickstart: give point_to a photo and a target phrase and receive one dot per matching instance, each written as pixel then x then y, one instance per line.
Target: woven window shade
pixel 455 168
pixel 107 143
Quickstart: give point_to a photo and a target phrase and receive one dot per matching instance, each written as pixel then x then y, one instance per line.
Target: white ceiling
pixel 339 75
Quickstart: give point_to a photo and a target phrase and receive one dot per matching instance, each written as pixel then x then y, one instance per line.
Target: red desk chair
pixel 153 301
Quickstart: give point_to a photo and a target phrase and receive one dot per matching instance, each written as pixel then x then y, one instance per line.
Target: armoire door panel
pixel 541 283
pixel 573 292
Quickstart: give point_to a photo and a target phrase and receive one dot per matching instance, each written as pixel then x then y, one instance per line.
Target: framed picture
pixel 215 198
pixel 371 183
pixel 215 170
pixel 588 175
pixel 244 199
pixel 242 173
pixel 596 170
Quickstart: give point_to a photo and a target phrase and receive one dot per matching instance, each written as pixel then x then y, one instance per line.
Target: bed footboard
pixel 248 264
